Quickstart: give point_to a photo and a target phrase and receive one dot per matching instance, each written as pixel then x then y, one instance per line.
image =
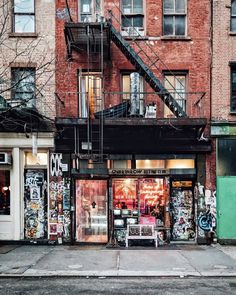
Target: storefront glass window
pixel 4 192
pixel 91 211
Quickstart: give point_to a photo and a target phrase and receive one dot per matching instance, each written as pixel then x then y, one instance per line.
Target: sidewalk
pixel 98 261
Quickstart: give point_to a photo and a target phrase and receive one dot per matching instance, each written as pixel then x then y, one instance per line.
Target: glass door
pixel 91 211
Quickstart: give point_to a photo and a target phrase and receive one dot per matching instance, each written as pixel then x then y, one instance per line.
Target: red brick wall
pixel 192 54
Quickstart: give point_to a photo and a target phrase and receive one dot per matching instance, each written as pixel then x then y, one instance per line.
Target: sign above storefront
pixel 139 171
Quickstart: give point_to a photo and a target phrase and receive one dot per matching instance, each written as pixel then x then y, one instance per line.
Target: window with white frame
pixel 174 17
pixel 23 16
pixel 132 19
pixel 90 93
pixel 233 89
pixel 129 88
pixel 233 15
pixel 176 85
pixel 23 86
pixel 90 10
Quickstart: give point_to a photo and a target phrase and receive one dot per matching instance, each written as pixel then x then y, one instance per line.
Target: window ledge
pixel 23 35
pixel 176 38
pixel 232 113
pixel 232 33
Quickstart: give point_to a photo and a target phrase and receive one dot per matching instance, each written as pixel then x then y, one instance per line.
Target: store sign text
pixel 139 171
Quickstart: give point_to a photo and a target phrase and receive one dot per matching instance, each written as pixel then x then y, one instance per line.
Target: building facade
pixel 129 83
pixel 223 115
pixel 27 111
pixel 133 110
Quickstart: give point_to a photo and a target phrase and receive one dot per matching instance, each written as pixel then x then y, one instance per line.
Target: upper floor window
pixel 174 17
pixel 233 89
pixel 90 10
pixel 132 19
pixel 176 85
pixel 90 94
pixel 23 86
pixel 233 16
pixel 133 90
pixel 24 16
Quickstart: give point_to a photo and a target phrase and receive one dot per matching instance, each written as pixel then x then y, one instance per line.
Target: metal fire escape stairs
pixel 143 69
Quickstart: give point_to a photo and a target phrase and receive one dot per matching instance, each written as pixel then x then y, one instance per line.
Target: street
pixel 119 286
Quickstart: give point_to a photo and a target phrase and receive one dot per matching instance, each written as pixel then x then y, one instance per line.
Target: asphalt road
pixel 119 286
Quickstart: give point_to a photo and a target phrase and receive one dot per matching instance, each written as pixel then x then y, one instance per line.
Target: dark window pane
pixel 233 90
pixel 126 21
pixel 5 192
pixel 23 85
pixel 24 6
pixel 179 25
pixel 233 7
pixel 233 24
pixel 168 25
pixel 138 6
pixel 226 157
pixel 168 6
pixel 180 6
pixel 138 21
pixel 127 6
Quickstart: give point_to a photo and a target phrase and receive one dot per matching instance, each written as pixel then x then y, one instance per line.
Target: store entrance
pixel 182 211
pixel 91 211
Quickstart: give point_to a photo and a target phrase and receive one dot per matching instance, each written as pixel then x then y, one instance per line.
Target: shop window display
pixel 139 201
pixel 91 211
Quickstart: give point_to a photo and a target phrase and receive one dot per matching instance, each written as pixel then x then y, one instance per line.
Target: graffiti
pixel 206 221
pixel 35 204
pixel 59 205
pixel 63 13
pixel 182 214
pixel 207 210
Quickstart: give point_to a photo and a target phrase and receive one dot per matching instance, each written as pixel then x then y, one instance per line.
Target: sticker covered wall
pixel 59 199
pixel 35 200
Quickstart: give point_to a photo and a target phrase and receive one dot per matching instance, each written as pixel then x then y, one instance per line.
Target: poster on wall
pixel 182 214
pixel 59 198
pixel 35 204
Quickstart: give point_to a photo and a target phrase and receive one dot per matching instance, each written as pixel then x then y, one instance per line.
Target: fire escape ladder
pixel 146 73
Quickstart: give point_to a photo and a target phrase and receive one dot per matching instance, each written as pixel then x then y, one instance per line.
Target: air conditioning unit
pixel 5 159
pixel 132 31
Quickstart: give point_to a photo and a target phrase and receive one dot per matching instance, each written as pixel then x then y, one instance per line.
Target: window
pixel 174 19
pixel 233 16
pixel 233 89
pixel 23 16
pixel 90 94
pixel 23 86
pixel 176 85
pixel 132 88
pixel 90 10
pixel 5 192
pixel 133 16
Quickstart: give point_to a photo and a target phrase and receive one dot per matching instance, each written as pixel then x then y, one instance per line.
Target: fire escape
pixel 80 37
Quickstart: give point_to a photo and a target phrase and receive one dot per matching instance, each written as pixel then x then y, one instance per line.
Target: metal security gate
pixel 226 207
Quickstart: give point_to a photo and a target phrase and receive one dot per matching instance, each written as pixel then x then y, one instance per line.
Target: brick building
pixel 133 110
pixel 27 106
pixel 223 115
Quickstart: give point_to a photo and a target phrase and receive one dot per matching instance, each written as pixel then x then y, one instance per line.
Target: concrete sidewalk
pixel 98 261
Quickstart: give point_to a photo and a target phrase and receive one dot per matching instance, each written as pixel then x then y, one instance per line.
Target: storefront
pixel 163 198
pixel 24 187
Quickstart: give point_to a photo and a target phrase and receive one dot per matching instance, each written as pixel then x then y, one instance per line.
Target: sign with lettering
pixel 139 171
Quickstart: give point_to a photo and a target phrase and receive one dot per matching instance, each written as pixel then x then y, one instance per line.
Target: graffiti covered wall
pixel 35 200
pixel 59 200
pixel 206 211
